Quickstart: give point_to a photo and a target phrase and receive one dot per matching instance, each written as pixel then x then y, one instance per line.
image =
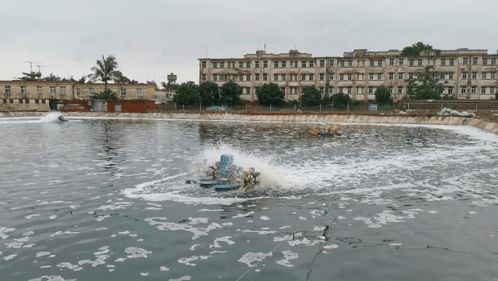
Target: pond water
pixel 108 200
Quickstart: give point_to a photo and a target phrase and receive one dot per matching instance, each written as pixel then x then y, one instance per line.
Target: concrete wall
pixel 296 118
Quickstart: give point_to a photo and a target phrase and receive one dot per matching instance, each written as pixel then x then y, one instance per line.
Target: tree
pixel 415 49
pixel 187 94
pixel 311 96
pixel 106 70
pixel 339 100
pixel 52 78
pixel 426 85
pixel 31 76
pixel 383 96
pixel 152 83
pixel 210 93
pixel 169 85
pixel 270 94
pixel 230 93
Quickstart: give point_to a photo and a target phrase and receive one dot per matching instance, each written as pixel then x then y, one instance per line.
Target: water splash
pixel 51 117
pixel 272 175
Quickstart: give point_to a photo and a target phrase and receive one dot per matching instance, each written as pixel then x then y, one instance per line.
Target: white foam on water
pixel 135 252
pixel 51 278
pixel 251 259
pixel 224 239
pixel 183 278
pixel 288 256
pixel 4 231
pixel 197 226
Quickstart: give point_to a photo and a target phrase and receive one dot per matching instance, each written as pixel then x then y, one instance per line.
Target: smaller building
pixel 19 95
pixel 164 96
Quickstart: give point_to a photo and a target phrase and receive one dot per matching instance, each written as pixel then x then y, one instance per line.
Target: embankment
pixel 286 118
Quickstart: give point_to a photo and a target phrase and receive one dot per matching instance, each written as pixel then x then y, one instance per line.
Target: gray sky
pixel 152 38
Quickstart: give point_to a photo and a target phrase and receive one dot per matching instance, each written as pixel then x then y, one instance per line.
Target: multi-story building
pixel 468 74
pixel 30 95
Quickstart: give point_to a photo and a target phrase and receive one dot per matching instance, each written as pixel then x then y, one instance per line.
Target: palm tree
pixel 105 71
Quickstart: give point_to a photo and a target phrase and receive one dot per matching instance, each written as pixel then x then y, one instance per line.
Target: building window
pixel 493 61
pixel 443 62
pixel 140 93
pixel 371 63
pixel 371 76
pixel 7 91
pixel 256 76
pixel 410 76
pixel 203 64
pixel 222 64
pixel 63 90
pixel 400 90
pixel 391 61
pixel 371 90
pixel 204 77
pixel 341 77
pixel 492 90
pixel 322 63
pixel 473 90
pixel 275 77
pixel 350 63
pixel 400 61
pixel 411 62
pixel 322 76
pixel 464 75
pixel 39 90
pixel 483 90
pixel 379 76
pixel 474 75
pixel 303 63
pixel 485 61
pixel 475 60
pixel 275 64
pixel 493 75
pixel 465 60
pixel 450 90
pixel 400 76
pixel 391 76
pixel 350 77
pixel 265 64
pixel 256 64
pixel 331 77
pixel 419 62
pixel 122 92
pixel 379 63
pixel 23 91
pixel 52 91
pixel 450 76
pixel 452 61
pixel 331 63
pixel 462 90
pixel 78 92
pixel 215 65
pixel 265 77
pixel 283 64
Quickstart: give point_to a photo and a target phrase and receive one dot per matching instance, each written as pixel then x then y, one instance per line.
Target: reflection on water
pixel 107 199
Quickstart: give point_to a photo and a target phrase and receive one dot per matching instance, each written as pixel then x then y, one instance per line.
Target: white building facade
pixel 468 74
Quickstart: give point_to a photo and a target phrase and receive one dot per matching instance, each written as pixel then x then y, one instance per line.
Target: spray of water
pixel 49 118
pixel 272 175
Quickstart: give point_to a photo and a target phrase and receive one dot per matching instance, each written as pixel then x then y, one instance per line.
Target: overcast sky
pixel 152 38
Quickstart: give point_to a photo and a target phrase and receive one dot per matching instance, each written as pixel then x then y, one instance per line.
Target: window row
pixel 23 91
pixel 351 63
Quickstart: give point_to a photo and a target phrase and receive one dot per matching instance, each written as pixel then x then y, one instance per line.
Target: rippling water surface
pixel 107 200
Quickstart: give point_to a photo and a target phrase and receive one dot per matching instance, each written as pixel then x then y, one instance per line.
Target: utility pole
pixel 39 68
pixel 30 65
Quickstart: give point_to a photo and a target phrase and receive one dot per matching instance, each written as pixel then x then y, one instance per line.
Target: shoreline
pixel 291 118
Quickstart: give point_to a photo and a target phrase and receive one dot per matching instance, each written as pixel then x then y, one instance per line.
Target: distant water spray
pixel 49 118
pixel 272 175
